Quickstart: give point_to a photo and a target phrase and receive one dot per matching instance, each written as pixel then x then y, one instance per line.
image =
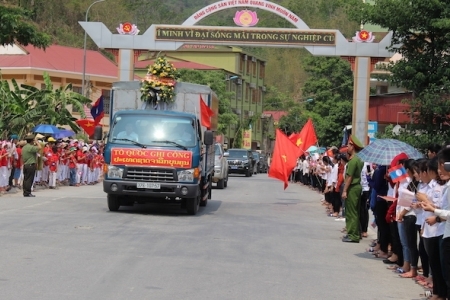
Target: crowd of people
pixel 49 163
pixel 410 215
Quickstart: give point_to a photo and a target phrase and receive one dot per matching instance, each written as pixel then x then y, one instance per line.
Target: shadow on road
pixel 168 210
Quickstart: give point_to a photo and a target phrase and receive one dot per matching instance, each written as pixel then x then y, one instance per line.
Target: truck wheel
pixel 221 183
pixel 225 183
pixel 248 173
pixel 113 202
pixel 209 190
pixel 192 204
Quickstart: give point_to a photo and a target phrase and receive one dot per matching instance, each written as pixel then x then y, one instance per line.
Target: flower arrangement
pixel 160 80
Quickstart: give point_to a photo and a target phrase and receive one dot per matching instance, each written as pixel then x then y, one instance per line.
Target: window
pixel 241 64
pixel 258 125
pixel 254 68
pixel 106 100
pixel 247 91
pixel 239 91
pixel 249 65
pixel 255 96
pixel 262 70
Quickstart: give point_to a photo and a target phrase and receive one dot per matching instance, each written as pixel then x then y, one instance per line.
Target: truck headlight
pixel 188 175
pixel 245 162
pixel 115 172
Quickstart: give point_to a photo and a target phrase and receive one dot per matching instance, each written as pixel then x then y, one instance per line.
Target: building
pixel 245 78
pixel 27 64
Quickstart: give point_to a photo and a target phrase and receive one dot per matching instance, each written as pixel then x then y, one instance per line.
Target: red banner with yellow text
pixel 148 157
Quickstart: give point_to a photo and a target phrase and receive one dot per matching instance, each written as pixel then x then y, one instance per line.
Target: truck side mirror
pixel 208 138
pixel 98 133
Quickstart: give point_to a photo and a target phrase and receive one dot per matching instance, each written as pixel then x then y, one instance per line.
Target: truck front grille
pixel 150 174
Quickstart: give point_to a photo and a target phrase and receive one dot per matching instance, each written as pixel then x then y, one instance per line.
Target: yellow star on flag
pixel 89 124
pixel 299 142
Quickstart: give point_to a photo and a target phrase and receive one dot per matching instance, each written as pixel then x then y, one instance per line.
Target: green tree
pixel 330 84
pixel 16 27
pixel 17 113
pixel 217 82
pixel 53 104
pixel 421 34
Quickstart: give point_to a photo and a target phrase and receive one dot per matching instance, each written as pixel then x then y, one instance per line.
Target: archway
pixel 362 55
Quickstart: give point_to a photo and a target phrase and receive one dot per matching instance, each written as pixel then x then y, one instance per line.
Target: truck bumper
pixel 218 175
pixel 171 190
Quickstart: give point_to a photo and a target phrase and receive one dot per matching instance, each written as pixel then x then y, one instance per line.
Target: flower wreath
pixel 159 83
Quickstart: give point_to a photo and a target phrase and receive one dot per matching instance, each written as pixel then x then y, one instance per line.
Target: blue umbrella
pixel 63 133
pixel 312 149
pixel 383 151
pixel 45 129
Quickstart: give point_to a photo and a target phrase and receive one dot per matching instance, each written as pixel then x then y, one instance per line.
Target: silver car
pixel 220 167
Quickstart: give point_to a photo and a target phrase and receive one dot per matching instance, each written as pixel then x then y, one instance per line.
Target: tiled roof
pixel 60 58
pixel 276 114
pixel 143 64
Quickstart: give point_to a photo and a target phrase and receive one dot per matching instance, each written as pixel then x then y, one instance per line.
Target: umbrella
pixel 63 134
pixel 312 149
pixel 383 151
pixel 45 129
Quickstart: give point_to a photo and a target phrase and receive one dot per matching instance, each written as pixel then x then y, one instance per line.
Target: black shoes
pixel 29 195
pixel 348 240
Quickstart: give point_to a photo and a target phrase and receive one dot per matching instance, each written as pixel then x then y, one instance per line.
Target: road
pixel 252 241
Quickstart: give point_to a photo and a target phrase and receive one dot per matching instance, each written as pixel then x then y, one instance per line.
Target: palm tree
pixel 16 115
pixel 52 104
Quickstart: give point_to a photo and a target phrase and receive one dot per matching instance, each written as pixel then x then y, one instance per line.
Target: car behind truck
pixel 159 152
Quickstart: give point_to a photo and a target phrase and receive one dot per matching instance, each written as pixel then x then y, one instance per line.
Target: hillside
pixel 284 68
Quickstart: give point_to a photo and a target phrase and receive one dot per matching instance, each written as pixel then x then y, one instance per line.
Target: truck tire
pixel 225 183
pixel 209 190
pixel 113 202
pixel 248 173
pixel 192 204
pixel 221 184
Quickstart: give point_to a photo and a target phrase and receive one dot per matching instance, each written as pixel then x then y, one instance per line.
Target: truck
pixel 159 152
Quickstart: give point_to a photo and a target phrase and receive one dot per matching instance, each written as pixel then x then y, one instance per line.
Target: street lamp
pixel 84 50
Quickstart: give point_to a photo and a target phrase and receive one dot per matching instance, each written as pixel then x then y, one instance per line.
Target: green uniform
pixel 352 203
pixel 29 154
pixel 29 157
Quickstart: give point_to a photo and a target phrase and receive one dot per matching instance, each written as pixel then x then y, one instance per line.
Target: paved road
pixel 252 241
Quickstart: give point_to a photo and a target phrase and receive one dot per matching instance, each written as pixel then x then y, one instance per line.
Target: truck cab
pixel 158 156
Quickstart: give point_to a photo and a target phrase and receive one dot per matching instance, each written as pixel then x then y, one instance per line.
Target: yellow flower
pixel 154 72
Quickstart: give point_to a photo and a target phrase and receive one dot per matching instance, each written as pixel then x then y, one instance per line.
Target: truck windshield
pixel 153 130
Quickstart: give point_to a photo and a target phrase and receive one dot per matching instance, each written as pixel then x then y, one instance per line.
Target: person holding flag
pixel 352 191
pixel 284 159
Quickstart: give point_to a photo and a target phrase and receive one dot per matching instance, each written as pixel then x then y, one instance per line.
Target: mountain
pixel 284 68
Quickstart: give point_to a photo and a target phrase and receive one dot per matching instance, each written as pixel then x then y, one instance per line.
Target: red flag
pixel 87 125
pixel 284 158
pixel 306 137
pixel 206 113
